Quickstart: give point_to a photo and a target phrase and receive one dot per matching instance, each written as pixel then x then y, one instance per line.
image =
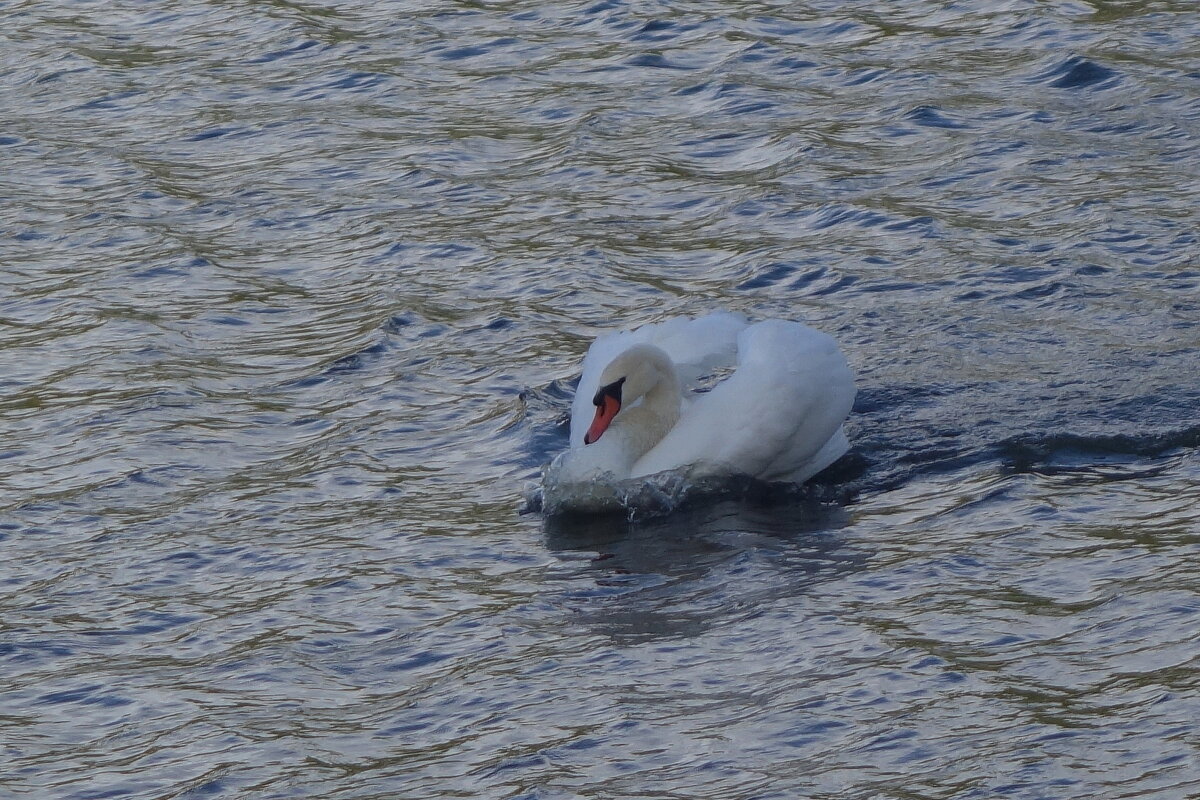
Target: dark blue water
pixel 293 299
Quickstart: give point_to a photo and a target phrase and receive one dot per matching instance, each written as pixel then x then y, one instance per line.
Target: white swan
pixel 777 417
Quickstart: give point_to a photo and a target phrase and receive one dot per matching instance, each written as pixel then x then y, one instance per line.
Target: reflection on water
pixel 293 300
pixel 707 564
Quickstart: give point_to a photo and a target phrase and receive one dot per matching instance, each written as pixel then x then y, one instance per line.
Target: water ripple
pixel 293 301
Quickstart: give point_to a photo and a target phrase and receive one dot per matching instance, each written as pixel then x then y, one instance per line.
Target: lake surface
pixel 293 296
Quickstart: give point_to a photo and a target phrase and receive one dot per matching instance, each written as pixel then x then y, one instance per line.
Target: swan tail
pixel 837 446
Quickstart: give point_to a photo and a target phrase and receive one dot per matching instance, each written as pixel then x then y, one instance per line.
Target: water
pixel 293 299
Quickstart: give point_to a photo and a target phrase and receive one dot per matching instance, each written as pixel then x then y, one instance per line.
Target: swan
pixel 777 417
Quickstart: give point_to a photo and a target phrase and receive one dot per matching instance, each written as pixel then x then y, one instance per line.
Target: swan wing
pixel 777 417
pixel 696 346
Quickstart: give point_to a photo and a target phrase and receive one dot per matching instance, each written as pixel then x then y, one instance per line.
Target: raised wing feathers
pixel 770 419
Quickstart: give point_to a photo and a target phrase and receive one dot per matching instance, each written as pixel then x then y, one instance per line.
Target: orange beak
pixel 606 409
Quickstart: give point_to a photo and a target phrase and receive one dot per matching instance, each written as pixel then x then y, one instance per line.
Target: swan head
pixel 640 371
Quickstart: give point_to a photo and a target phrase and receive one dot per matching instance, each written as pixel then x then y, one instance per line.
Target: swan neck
pixel 664 399
pixel 644 425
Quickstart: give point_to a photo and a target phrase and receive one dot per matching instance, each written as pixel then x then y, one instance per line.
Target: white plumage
pixel 777 417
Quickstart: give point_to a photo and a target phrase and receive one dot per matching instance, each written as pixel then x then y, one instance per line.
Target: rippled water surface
pixel 293 299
